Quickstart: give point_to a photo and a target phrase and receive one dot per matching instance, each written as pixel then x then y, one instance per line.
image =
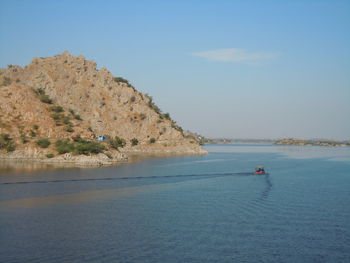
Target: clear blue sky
pixel 242 69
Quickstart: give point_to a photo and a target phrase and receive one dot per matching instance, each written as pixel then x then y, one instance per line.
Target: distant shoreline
pixel 285 141
pixel 299 142
pixel 234 141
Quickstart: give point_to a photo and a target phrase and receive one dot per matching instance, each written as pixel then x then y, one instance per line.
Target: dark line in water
pixel 125 178
pixel 268 185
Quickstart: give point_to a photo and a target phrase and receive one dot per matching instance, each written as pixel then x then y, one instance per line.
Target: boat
pixel 259 170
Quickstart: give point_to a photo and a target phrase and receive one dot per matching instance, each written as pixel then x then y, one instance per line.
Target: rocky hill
pixel 66 99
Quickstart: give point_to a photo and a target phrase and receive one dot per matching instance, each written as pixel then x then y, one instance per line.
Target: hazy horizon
pixel 234 69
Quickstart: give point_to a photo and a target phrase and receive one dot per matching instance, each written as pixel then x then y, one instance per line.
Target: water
pixel 184 209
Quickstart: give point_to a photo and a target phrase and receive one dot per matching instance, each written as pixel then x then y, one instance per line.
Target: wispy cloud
pixel 236 55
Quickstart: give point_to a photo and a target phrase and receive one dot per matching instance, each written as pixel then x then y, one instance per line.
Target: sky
pixel 235 69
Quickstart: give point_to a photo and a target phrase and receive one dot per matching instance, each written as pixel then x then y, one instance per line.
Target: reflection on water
pixel 27 166
pixel 79 197
pixel 21 167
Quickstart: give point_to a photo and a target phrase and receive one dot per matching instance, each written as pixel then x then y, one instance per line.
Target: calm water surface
pixel 183 209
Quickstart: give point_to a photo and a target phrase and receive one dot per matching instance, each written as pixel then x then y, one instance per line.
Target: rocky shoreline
pixel 34 155
pixel 67 158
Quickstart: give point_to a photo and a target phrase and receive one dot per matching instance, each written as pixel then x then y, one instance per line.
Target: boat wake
pixel 129 178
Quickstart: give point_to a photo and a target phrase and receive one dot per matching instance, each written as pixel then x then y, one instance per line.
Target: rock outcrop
pixel 65 97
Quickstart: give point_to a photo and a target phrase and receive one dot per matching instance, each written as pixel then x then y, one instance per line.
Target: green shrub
pixel 152 140
pixel 42 96
pixel 166 116
pixel 80 146
pixel 45 98
pixel 7 81
pixel 50 155
pixel 77 117
pixel 64 146
pixel 142 116
pixel 24 139
pixel 66 120
pixel 154 107
pixel 6 142
pixel 5 137
pixel 32 133
pixel 132 99
pixel 10 146
pixel 117 142
pixel 69 128
pixel 2 144
pixel 43 143
pixel 39 91
pixel 56 109
pixel 35 127
pixel 77 138
pixel 56 116
pixel 87 147
pixel 176 127
pixel 134 141
pixel 122 80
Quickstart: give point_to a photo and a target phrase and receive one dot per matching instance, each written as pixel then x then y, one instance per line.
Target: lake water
pixel 184 209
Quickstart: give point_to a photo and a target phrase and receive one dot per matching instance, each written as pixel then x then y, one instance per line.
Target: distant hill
pixel 206 140
pixel 66 99
pixel 300 142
